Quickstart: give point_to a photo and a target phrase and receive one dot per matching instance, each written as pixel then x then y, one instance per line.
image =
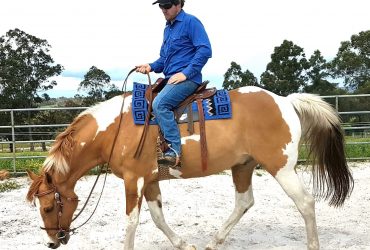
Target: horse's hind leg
pixel 304 201
pixel 153 197
pixel 242 177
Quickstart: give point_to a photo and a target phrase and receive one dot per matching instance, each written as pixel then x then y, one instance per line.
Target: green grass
pixel 22 164
pixel 352 151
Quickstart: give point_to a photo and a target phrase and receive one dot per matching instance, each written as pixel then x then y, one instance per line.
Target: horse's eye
pixel 48 209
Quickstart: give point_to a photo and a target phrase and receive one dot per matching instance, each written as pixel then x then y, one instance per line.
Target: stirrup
pixel 169 161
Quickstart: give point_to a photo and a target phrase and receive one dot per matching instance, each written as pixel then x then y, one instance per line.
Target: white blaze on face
pixel 45 236
pixel 82 144
pixel 106 112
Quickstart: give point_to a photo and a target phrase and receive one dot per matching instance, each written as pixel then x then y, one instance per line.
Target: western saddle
pixel 201 93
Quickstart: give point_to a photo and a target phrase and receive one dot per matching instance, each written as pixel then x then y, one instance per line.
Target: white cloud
pixel 116 35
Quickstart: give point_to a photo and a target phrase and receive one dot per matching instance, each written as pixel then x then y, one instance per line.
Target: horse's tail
pixel 323 135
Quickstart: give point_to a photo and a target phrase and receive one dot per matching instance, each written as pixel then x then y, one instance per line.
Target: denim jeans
pixel 164 104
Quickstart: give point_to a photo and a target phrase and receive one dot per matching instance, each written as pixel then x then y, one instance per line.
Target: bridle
pixel 61 232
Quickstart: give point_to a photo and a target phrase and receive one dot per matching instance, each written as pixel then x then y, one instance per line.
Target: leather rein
pixel 61 232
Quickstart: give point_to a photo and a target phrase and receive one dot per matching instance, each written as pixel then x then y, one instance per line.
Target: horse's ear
pixel 32 175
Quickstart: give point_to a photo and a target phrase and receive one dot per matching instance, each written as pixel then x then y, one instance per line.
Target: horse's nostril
pixel 52 245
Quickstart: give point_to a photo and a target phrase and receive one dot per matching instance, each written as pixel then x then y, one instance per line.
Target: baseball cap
pixel 163 2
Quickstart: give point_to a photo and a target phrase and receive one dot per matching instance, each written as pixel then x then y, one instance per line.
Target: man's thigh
pixel 173 94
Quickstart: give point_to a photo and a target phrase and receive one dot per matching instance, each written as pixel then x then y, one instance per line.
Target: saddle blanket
pixel 216 107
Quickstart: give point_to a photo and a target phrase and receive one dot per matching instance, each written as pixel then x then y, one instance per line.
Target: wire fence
pixel 18 134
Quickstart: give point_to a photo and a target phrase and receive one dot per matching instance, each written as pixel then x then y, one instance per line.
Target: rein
pixel 61 234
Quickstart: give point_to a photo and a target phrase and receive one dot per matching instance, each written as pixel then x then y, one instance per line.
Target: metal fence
pixel 355 129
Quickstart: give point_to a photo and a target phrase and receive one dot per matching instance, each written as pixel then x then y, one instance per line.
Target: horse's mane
pixel 60 152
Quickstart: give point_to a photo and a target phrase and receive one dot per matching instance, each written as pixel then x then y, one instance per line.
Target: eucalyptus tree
pixel 286 73
pixel 236 78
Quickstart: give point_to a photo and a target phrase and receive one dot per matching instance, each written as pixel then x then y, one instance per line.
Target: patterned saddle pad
pixel 215 107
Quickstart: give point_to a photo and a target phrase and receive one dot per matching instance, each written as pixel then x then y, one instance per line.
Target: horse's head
pixel 56 205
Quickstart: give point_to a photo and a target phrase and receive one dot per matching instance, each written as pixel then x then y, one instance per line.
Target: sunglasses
pixel 166 6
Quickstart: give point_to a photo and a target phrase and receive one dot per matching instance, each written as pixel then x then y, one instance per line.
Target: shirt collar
pixel 179 17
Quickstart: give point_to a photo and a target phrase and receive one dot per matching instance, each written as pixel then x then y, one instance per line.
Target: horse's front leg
pixel 153 197
pixel 133 189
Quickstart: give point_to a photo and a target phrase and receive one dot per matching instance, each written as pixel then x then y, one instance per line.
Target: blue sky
pixel 116 35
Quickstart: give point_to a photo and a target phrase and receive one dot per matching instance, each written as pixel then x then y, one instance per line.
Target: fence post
pixel 13 139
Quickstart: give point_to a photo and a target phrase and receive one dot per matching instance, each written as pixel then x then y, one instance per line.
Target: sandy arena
pixel 195 209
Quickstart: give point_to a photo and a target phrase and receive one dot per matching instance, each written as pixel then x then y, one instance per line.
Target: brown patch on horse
pixel 242 175
pixel 265 128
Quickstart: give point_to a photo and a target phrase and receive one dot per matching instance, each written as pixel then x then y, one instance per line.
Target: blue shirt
pixel 185 48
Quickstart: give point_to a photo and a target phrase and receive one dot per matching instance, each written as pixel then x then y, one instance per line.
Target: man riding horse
pixel 184 52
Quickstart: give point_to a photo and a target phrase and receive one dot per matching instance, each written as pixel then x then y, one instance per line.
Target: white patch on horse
pixel 292 120
pixel 132 222
pixel 193 137
pixel 140 185
pixel 82 144
pixel 249 89
pixel 175 173
pixel 106 112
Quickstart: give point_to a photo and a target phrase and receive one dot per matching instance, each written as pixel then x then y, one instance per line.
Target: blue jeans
pixel 164 104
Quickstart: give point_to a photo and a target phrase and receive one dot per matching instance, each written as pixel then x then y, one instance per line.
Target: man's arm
pixel 203 48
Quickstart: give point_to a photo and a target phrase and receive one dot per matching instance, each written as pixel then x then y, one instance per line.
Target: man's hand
pixel 144 68
pixel 177 78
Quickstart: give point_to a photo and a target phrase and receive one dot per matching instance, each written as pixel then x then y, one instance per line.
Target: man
pixel 184 52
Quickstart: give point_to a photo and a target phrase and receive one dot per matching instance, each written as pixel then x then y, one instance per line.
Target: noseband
pixel 61 232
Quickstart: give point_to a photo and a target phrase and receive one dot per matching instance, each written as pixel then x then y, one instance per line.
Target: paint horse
pixel 265 129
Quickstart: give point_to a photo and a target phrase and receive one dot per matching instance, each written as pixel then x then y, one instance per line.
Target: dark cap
pixel 162 1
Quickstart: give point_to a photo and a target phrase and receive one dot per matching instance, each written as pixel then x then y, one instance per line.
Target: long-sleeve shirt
pixel 185 48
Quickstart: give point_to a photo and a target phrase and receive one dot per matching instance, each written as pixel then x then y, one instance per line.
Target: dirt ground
pixel 195 209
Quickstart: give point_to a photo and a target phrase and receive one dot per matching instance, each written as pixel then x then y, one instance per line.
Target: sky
pixel 116 35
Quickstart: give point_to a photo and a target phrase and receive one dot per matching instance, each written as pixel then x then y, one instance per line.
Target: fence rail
pixel 12 135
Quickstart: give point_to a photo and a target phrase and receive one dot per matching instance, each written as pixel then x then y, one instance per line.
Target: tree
pixel 285 74
pixel 317 77
pixel 97 84
pixel 235 78
pixel 25 69
pixel 352 61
